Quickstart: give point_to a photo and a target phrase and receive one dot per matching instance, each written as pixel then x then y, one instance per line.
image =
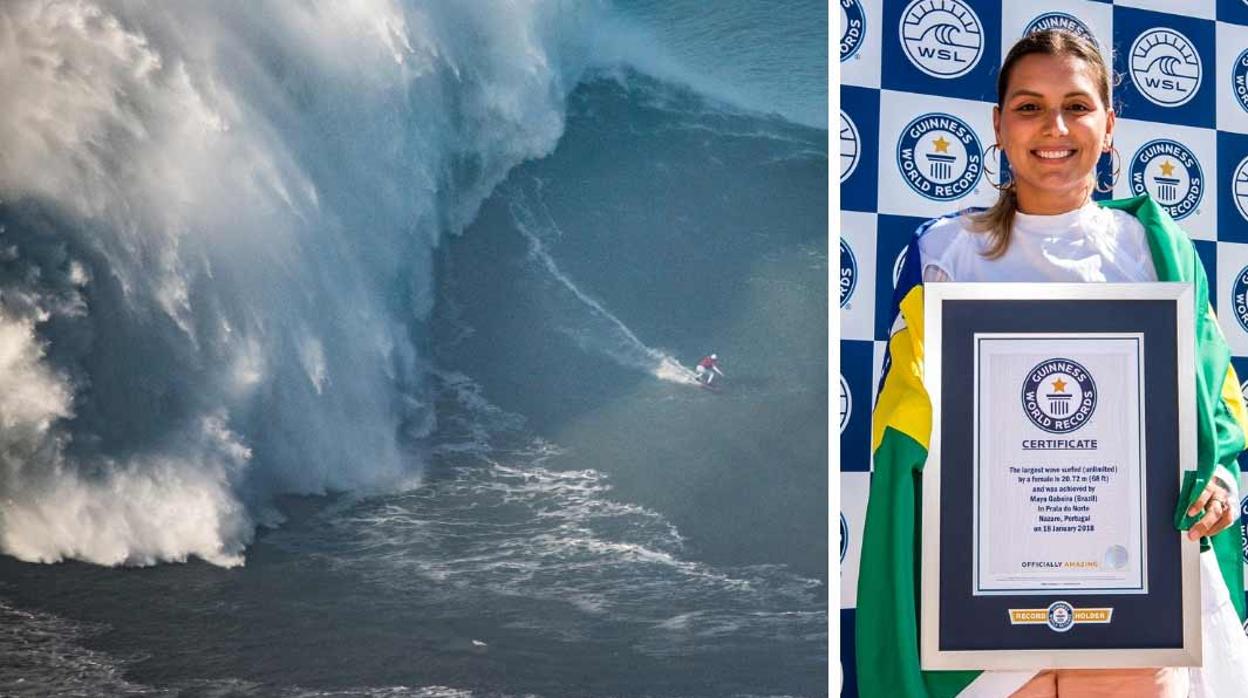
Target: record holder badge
pixel 1062 423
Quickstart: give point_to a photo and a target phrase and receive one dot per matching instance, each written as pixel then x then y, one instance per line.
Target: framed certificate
pixel 1062 422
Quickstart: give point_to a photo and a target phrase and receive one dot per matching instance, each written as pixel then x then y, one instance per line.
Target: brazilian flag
pixel 887 642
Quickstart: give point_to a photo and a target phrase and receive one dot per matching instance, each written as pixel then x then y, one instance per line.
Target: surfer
pixel 707 368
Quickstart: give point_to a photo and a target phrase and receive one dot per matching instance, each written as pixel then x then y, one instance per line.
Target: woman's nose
pixel 1055 123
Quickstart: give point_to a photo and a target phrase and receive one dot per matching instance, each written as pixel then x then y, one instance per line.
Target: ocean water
pixel 344 349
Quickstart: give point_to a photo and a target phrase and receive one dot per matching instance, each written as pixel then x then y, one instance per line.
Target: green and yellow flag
pixel 887 641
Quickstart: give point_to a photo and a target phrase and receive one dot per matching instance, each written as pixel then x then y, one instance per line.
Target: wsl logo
pixel 1059 396
pixel 1239 187
pixel 1168 171
pixel 849 273
pixel 1165 67
pixel 1239 297
pixel 847 404
pixel 850 143
pixel 1060 20
pixel 1060 616
pixel 853 28
pixel 940 157
pixel 942 38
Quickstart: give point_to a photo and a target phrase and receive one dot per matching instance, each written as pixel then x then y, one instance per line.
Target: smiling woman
pixel 1053 136
pixel 1053 121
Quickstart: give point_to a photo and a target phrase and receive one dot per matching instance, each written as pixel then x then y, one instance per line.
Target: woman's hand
pixel 1219 512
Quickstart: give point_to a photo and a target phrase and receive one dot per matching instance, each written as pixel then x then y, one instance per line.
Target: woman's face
pixel 1053 127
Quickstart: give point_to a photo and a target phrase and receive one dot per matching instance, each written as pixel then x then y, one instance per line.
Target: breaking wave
pixel 216 226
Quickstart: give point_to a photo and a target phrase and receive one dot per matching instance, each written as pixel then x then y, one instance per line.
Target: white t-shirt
pixel 1087 244
pixel 1091 244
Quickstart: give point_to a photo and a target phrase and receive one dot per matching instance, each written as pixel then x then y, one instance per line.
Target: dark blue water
pixel 586 524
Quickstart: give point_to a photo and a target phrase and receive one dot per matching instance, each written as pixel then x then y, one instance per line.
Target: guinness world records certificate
pixel 1062 423
pixel 1059 495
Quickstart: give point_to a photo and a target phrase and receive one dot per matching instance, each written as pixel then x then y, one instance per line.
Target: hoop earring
pixel 1001 185
pixel 1115 159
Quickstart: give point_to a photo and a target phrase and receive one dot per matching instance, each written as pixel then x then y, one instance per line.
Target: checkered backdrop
pixel 918 81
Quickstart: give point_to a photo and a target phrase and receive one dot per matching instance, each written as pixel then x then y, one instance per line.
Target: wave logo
pixel 844 537
pixel 1059 395
pixel 849 273
pixel 940 157
pixel 1060 20
pixel 1243 519
pixel 1239 187
pixel 1239 298
pixel 853 28
pixel 851 146
pixel 1169 172
pixel 847 404
pixel 1165 67
pixel 1239 80
pixel 942 38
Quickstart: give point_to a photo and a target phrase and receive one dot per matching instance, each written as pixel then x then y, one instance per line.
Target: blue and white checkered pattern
pixel 918 82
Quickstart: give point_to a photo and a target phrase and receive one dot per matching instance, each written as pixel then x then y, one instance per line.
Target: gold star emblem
pixel 1167 168
pixel 1059 386
pixel 942 145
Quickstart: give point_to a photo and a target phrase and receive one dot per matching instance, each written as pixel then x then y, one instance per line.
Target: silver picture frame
pixel 938 298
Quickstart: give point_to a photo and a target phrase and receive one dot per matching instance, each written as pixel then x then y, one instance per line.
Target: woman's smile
pixel 1055 154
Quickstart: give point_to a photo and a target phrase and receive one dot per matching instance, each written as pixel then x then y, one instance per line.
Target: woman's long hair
pixel 997 221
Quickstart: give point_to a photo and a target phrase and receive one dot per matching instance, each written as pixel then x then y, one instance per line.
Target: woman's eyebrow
pixel 1032 93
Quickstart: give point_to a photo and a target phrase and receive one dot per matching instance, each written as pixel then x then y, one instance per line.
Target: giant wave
pixel 216 224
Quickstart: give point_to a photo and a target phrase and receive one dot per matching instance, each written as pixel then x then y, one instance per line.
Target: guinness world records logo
pixel 853 28
pixel 1059 395
pixel 847 404
pixel 851 145
pixel 940 157
pixel 1239 298
pixel 1239 80
pixel 1169 172
pixel 849 273
pixel 1165 67
pixel 1060 616
pixel 1060 20
pixel 942 38
pixel 1239 187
